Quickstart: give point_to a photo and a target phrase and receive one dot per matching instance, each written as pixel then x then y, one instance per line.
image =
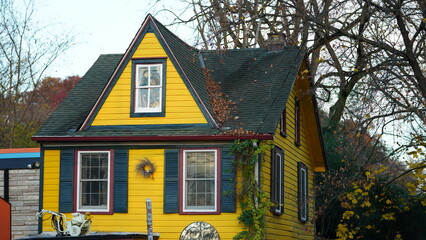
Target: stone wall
pixel 23 196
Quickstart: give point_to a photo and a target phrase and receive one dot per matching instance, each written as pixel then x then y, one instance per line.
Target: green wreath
pixel 145 167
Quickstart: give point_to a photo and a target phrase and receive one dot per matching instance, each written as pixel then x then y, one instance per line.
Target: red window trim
pixel 111 182
pixel 218 179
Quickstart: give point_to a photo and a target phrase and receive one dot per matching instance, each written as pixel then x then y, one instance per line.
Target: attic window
pixel 148 90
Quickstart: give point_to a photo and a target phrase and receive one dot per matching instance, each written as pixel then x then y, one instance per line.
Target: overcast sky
pixel 99 27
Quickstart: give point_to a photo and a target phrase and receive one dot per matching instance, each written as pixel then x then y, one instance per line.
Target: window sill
pixel 153 114
pixel 110 212
pixel 199 213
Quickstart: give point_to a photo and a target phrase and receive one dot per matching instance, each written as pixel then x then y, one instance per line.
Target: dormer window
pixel 148 87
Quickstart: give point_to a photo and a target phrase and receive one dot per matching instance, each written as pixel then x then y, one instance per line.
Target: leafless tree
pixel 367 57
pixel 26 51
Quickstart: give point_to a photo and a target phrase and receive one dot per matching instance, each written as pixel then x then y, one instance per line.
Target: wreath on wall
pixel 145 167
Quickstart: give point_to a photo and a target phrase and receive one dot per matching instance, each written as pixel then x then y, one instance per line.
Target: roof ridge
pixel 232 50
pixel 158 23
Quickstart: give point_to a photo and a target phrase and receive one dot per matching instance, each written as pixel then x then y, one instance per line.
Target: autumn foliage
pixel 21 115
pixel 222 107
pixel 53 90
pixel 367 194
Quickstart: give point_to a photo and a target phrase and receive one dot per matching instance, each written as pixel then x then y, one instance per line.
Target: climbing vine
pixel 253 200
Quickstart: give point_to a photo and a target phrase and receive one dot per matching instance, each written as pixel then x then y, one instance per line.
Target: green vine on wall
pixel 254 201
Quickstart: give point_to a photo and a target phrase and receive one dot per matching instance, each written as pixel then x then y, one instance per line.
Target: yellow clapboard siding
pixel 50 184
pixel 180 106
pixel 287 226
pixel 151 121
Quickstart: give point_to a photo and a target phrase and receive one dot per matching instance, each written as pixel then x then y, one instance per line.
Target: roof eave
pixel 148 138
pixel 318 122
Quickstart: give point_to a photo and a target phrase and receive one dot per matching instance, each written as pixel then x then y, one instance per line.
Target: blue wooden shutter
pixel 227 201
pixel 171 181
pixel 66 185
pixel 121 162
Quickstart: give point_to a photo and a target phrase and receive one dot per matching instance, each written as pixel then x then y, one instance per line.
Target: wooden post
pixel 149 219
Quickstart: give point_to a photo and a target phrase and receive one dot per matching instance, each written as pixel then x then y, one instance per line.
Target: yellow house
pixel 159 121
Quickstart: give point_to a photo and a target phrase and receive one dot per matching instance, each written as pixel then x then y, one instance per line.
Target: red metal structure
pixel 5 220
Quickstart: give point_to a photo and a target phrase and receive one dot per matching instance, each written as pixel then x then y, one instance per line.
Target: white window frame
pixel 303 192
pixel 138 87
pixel 278 176
pixel 79 206
pixel 216 172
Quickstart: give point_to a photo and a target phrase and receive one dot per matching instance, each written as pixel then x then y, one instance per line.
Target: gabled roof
pixel 257 81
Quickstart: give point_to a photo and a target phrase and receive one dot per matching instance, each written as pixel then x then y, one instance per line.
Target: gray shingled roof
pixel 72 111
pixel 257 81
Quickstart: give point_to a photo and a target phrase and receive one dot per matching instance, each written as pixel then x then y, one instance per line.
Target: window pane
pixel 85 197
pixel 191 187
pixel 202 163
pixel 103 168
pixel 209 199
pixel 191 170
pixel 191 200
pixel 143 98
pixel 154 99
pixel 155 76
pixel 143 76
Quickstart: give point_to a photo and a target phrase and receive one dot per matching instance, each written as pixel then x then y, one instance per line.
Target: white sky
pixel 99 27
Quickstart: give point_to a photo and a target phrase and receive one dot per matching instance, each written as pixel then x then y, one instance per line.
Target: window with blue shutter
pixel 93 180
pixel 174 163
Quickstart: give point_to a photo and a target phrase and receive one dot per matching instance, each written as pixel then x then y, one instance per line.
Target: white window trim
pixel 79 208
pixel 303 188
pixel 184 209
pixel 279 182
pixel 137 87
